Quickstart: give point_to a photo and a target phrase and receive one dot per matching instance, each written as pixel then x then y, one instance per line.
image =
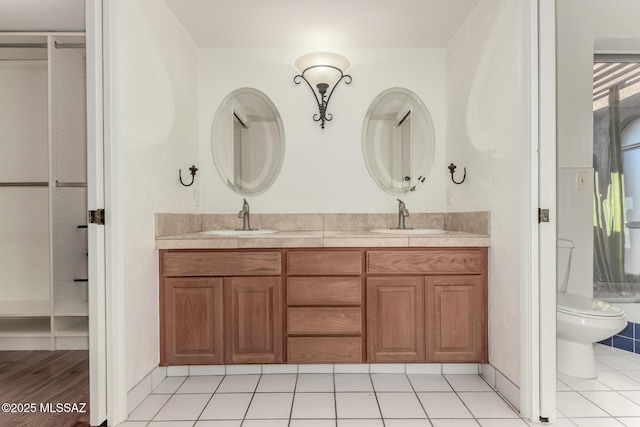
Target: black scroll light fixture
pixel 322 71
pixel 193 170
pixel 452 169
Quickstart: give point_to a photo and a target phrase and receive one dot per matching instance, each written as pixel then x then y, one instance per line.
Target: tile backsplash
pixel 168 224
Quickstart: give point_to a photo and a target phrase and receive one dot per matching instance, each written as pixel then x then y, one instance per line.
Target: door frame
pixel 538 263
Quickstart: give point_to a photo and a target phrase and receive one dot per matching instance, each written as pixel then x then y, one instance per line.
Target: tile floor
pixel 385 400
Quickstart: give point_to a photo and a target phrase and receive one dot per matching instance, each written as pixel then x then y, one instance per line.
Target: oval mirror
pixel 398 141
pixel 247 141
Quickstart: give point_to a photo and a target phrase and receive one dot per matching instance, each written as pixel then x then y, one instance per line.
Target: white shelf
pixel 79 328
pixel 80 309
pixel 25 327
pixel 25 308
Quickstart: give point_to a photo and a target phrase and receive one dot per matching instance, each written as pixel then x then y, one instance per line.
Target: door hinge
pixel 96 216
pixel 543 215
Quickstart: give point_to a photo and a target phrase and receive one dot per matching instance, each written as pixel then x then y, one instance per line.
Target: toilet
pixel 581 321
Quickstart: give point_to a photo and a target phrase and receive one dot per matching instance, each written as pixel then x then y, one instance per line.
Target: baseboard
pixel 140 391
pixel 502 384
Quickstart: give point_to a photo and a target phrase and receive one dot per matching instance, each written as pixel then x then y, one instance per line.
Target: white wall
pixel 323 169
pixel 487 112
pixel 155 120
pixel 585 26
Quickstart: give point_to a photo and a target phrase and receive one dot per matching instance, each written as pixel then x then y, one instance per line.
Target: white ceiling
pixel 321 25
pixel 41 15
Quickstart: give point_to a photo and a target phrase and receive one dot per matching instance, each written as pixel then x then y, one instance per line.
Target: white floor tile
pixel 227 423
pixel 597 422
pixel 353 382
pixel 429 383
pixel 149 407
pixel 400 405
pixel 239 384
pixel 581 384
pixel 460 368
pixel 360 423
pixel 171 424
pixel 502 423
pixel 357 405
pixel 618 381
pixel 632 395
pixel 351 368
pixel 467 383
pixel 618 362
pixel 630 422
pixel 315 369
pixel 635 375
pixel 454 423
pixel 312 423
pixel 613 403
pixel 270 406
pixel 196 370
pixel 560 422
pixel 406 423
pixel 602 349
pixel 391 382
pixel 572 404
pixel 266 423
pixel 277 383
pixel 169 385
pixel 602 367
pixel 387 368
pixel 560 386
pixel 183 407
pixel 314 406
pixel 231 406
pixel 487 405
pixel 315 383
pixel 424 368
pixel 133 424
pixel 279 369
pixel 200 384
pixel 443 405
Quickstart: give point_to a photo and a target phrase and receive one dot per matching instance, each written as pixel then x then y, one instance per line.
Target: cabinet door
pixel 456 322
pixel 191 322
pixel 395 319
pixel 253 320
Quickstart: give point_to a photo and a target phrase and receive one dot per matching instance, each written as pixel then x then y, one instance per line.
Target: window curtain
pixel 609 214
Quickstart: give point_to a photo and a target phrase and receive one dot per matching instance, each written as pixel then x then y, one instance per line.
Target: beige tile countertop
pixel 183 231
pixel 304 239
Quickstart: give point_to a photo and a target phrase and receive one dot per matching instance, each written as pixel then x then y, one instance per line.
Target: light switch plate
pixel 582 180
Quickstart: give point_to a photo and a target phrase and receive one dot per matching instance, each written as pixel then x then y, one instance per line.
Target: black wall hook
pixel 193 170
pixel 452 169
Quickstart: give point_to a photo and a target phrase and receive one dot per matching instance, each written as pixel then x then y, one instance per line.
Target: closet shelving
pixel 43 200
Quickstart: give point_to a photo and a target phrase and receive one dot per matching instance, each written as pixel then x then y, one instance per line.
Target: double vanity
pixel 322 288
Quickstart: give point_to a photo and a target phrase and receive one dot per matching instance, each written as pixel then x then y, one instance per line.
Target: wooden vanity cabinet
pixel 427 305
pixel 220 307
pixel 325 318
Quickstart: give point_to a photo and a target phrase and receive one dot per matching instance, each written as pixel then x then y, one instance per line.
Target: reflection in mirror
pixel 247 141
pixel 398 141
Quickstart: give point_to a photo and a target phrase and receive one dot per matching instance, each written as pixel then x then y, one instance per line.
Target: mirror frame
pixel 280 132
pixel 428 161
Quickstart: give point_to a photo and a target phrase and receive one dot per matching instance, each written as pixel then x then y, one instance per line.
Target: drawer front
pixel 325 350
pixel 324 263
pixel 324 291
pixel 324 321
pixel 196 264
pixel 416 262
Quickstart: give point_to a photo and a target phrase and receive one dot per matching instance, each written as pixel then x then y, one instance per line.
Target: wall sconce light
pixel 322 70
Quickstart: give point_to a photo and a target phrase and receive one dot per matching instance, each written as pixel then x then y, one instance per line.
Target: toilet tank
pixel 565 248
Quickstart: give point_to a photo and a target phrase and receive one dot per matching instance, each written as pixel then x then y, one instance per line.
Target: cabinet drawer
pixel 324 263
pixel 416 262
pixel 222 264
pixel 324 291
pixel 325 350
pixel 324 321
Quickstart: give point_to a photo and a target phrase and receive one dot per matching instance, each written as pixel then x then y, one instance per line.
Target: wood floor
pixel 43 377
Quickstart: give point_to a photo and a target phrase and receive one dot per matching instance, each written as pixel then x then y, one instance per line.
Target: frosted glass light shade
pixel 320 74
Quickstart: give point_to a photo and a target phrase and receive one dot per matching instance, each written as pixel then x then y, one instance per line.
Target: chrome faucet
pixel 244 214
pixel 402 214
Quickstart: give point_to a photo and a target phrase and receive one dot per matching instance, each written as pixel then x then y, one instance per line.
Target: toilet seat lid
pixel 577 304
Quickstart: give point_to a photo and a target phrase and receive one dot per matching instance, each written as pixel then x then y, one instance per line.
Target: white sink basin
pixel 412 231
pixel 238 232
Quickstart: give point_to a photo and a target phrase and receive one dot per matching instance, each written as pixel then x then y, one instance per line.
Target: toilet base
pixel 576 359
